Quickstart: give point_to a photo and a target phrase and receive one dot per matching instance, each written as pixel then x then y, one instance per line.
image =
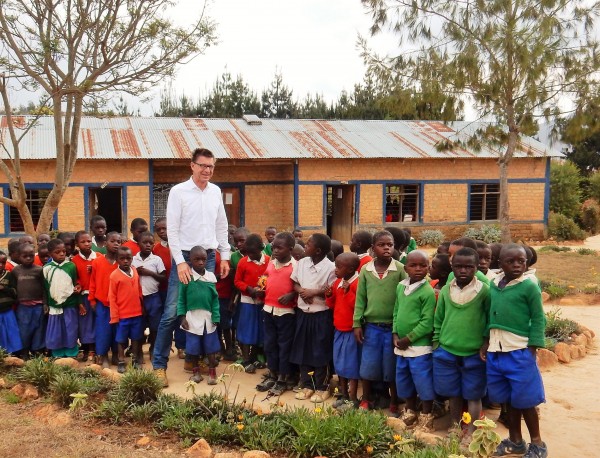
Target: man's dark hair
pixel 288 238
pixel 202 152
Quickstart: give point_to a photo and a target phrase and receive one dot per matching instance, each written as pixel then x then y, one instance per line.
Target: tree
pixel 582 132
pixel 73 51
pixel 564 188
pixel 512 58
pixel 277 100
pixel 229 98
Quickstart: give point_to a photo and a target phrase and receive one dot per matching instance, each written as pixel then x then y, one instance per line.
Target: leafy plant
pixel 10 397
pixel 143 413
pixel 431 238
pixel 555 290
pixel 40 372
pixel 553 248
pixel 112 410
pixel 138 387
pixel 586 252
pixel 564 186
pixel 564 228
pixel 3 355
pixel 487 234
pixel 485 439
pixel 590 215
pixel 559 328
pixel 63 386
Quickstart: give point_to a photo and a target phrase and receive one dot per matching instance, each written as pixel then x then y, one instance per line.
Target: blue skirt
pixel 250 326
pixel 87 324
pixel 346 355
pixel 313 339
pixel 63 330
pixel 10 339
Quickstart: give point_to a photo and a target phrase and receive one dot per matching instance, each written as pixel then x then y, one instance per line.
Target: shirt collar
pixel 191 185
pixel 52 261
pixel 260 262
pixel 319 265
pixel 91 257
pixel 515 281
pixel 206 277
pixel 351 280
pixel 409 287
pixel 164 243
pixel 279 265
pixel 370 266
pixel 362 255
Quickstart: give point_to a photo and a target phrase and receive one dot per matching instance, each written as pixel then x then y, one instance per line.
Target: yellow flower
pixel 258 411
pixel 335 390
pixel 240 426
pixel 240 417
pixel 369 449
pixel 318 410
pixel 397 437
pixel 571 286
pixel 466 418
pixel 311 373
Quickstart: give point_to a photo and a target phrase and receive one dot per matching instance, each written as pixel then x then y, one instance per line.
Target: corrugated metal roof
pixel 175 138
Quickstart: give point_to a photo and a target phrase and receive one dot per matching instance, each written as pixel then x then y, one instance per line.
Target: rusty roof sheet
pixel 175 138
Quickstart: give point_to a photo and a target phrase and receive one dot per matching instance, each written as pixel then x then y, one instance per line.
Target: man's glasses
pixel 205 166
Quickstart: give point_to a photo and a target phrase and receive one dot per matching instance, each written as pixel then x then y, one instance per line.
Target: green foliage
pixel 563 228
pixel 582 132
pixel 549 343
pixel 40 372
pixel 112 410
pixel 586 252
pixel 485 439
pixel 10 397
pixel 3 355
pixel 555 290
pixel 590 216
pixel 431 238
pixel 143 413
pixel 558 328
pixel 564 188
pixel 487 234
pixel 594 181
pixel 553 248
pixel 63 386
pixel 93 383
pixel 138 387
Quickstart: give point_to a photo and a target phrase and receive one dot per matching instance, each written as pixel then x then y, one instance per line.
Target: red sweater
pixel 124 295
pixel 133 246
pixel 83 276
pixel 37 261
pixel 342 304
pixel 278 284
pixel 164 253
pixel 364 260
pixel 224 285
pixel 248 273
pixel 100 279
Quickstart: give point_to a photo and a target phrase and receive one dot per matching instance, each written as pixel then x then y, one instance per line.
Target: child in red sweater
pixel 137 228
pixel 125 299
pixel 250 327
pixel 360 244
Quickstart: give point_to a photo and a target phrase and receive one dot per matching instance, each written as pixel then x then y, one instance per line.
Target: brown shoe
pixel 161 374
pixel 188 366
pixel 180 353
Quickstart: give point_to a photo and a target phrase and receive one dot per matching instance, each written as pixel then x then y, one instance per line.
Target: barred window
pixel 401 203
pixel 160 195
pixel 35 199
pixel 484 202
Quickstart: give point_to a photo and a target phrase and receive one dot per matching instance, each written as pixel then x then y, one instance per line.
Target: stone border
pixel 565 352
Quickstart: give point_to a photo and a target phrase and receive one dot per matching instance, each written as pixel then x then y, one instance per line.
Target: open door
pixel 340 218
pixel 231 202
pixel 108 202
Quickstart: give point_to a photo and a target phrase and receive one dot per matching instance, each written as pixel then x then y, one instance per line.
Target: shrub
pixel 3 355
pixel 564 188
pixel 40 372
pixel 594 186
pixel 554 248
pixel 590 216
pixel 138 387
pixel 430 237
pixel 586 251
pixel 63 386
pixel 555 290
pixel 143 413
pixel 564 228
pixel 560 329
pixel 487 234
pixel 112 410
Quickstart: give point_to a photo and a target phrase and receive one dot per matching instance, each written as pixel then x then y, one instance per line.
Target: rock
pixel 256 454
pixel 585 328
pixel 13 361
pixel 25 391
pixel 563 352
pixel 577 351
pixel 68 362
pixel 60 419
pixel 227 455
pixel 569 301
pixel 2 383
pixel 546 359
pixel 95 367
pixel 143 441
pixel 545 296
pixel 428 438
pixel 579 339
pixel 589 339
pixel 110 374
pixel 200 449
pixel 396 424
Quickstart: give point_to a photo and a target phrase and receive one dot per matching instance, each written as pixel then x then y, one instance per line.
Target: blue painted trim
pixel 111 184
pixel 254 183
pixel 325 205
pixel 547 191
pixel 124 218
pixel 296 193
pixel 151 192
pixel 391 181
pixel 421 202
pixel 310 228
pixel 356 204
pixel 55 219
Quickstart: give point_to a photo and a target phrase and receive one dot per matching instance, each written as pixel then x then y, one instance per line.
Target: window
pixel 160 195
pixel 485 199
pixel 34 199
pixel 401 203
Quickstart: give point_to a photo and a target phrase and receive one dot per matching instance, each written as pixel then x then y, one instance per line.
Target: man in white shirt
pixel 195 217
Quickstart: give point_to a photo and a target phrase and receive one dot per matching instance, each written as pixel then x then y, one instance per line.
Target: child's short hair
pixel 202 152
pixel 337 248
pixel 13 246
pixel 23 247
pixel 397 234
pixel 496 248
pixel 254 242
pixel 123 250
pixel 270 228
pixel 78 235
pixel 445 246
pixel 113 233
pixel 94 219
pixel 531 255
pixel 444 263
pixel 241 231
pixel 64 236
pixel 465 242
pixel 197 249
pixel 511 246
pixel 288 238
pixel 146 234
pixel 468 251
pixel 322 242
pixel 54 243
pixel 350 259
pixel 379 234
pixel 481 245
pixel 365 238
pixel 159 220
pixel 137 222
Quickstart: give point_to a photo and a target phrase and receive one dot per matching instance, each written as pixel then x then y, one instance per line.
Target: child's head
pixel 43 239
pixel 298 252
pixel 485 256
pixel 198 257
pixel 495 262
pixel 124 258
pixel 337 248
pixel 137 228
pixel 463 242
pixel 146 243
pixel 98 226
pixel 26 254
pixel 83 241
pixel 230 231
pixel 239 239
pixel 443 248
pixel 270 233
pixel 160 228
pixel 383 245
pixel 531 255
pixel 68 238
pixel 3 260
pixel 399 236
pixel 113 242
pixel 43 253
pixel 464 265
pixel 346 265
pixel 361 242
pixel 417 265
pixel 282 246
pixel 440 267
pixel 254 246
pixel 57 250
pixel 317 246
pixel 513 260
pixel 26 239
pixel 297 234
pixel 13 248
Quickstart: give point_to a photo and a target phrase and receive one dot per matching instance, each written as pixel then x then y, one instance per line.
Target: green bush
pixel 111 410
pixel 564 188
pixel 558 328
pixel 590 216
pixel 63 386
pixel 40 372
pixel 553 248
pixel 555 290
pixel 430 237
pixel 564 228
pixel 138 387
pixel 594 186
pixel 143 413
pixel 586 252
pixel 487 234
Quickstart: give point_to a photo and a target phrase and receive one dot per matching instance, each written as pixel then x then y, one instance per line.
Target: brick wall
pixel 268 205
pixel 445 202
pixel 310 205
pixel 371 204
pixel 526 200
pixel 138 198
pixel 88 171
pixel 71 211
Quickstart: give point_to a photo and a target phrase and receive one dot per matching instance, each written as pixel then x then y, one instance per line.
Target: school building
pixel 320 176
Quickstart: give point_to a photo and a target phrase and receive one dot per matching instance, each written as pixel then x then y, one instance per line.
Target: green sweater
pixel 413 314
pixel 518 309
pixel 479 274
pixel 460 328
pixel 71 270
pixel 199 295
pixel 375 297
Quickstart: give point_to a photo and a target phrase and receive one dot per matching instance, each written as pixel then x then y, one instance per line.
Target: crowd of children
pixel 462 326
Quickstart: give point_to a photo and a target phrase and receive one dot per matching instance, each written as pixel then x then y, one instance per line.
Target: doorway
pixel 232 204
pixel 108 202
pixel 340 212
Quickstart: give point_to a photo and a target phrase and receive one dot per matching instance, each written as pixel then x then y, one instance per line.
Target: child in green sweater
pixel 459 328
pixel 374 316
pixel 516 330
pixel 412 332
pixel 198 307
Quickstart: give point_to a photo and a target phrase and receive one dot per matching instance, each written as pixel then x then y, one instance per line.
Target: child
pixel 374 316
pixel 239 239
pixel 341 297
pixel 98 228
pixel 278 314
pixel 531 260
pixel 360 244
pixel 298 236
pixel 31 301
pixel 10 339
pixel 412 243
pixel 27 239
pixel 13 255
pixel 250 327
pixel 313 336
pixel 400 242
pixel 42 256
pixel 270 233
pixel 465 242
pixel 62 290
pixel 138 227
pixel 198 307
pixel 68 239
pixel 337 248
pixel 516 330
pixel 298 252
pixel 102 268
pixel 43 239
pixel 225 329
pixel 459 327
pixel 87 316
pixel 443 248
pixel 485 258
pixel 438 272
pixel 125 299
pixel 412 333
pixel 152 272
pixel 494 263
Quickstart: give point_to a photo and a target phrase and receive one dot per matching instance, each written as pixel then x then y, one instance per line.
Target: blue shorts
pixel 154 306
pixel 514 378
pixel 414 375
pixel 130 328
pixel 226 321
pixel 378 361
pixel 206 344
pixel 458 376
pixel 346 355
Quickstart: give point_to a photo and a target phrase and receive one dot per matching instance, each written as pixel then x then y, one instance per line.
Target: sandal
pixel 121 367
pixel 278 389
pixel 249 367
pixel 267 383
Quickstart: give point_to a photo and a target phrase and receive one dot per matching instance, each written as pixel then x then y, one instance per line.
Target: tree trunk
pixel 504 204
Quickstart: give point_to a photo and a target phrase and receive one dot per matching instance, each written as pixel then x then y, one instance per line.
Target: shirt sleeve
pixel 215 308
pixel 438 318
pixel 538 318
pixel 174 224
pixel 113 290
pixel 425 325
pixel 222 232
pixel 239 276
pixel 182 300
pixel 361 299
pixel 92 285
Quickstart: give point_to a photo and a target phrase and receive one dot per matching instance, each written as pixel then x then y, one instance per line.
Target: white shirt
pixel 370 267
pixel 154 264
pixel 200 321
pixel 463 295
pixel 196 217
pixel 313 276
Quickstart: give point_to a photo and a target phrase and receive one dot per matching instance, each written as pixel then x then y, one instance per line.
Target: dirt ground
pixel 570 418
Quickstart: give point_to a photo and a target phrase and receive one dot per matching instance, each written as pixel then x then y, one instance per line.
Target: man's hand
pixel 224 268
pixel 184 272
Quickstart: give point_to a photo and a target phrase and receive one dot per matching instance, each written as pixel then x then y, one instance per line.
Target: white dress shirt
pixel 154 264
pixel 313 276
pixel 196 217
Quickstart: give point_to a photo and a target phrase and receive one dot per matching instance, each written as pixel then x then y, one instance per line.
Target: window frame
pixel 484 201
pixel 401 194
pixel 11 212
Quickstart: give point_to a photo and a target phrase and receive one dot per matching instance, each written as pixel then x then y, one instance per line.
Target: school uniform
pixel 96 248
pixel 363 260
pixel 132 245
pixel 10 265
pixel 225 291
pixel 125 299
pixel 105 333
pixel 30 306
pixel 250 324
pixel 153 304
pixel 10 339
pixel 346 351
pixel 87 322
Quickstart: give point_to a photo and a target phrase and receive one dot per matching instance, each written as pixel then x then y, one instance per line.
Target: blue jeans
pixel 164 336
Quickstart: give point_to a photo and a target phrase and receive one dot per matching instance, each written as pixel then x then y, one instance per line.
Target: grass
pixel 568 272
